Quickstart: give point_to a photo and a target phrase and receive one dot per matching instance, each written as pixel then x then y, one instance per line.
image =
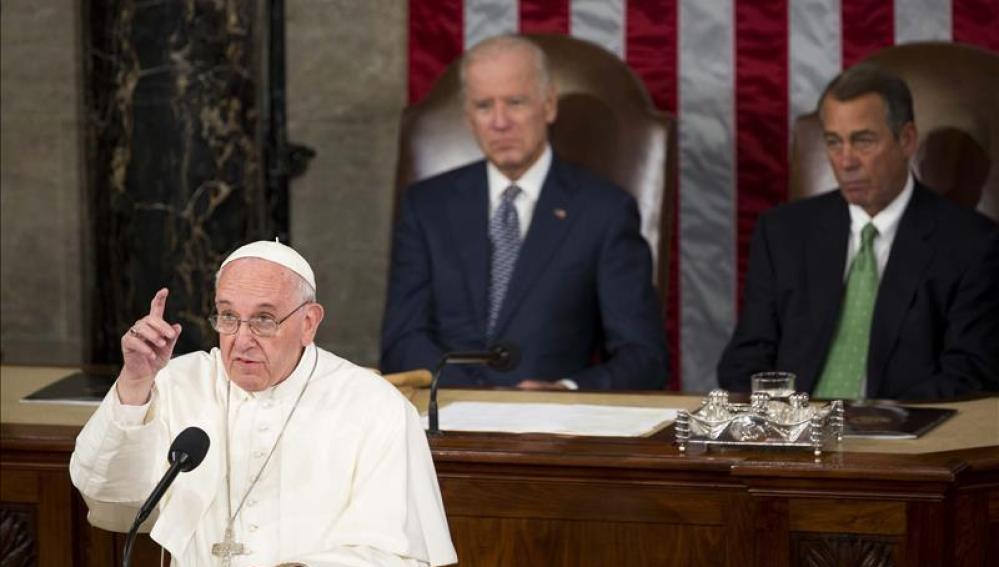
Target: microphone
pixel 502 357
pixel 186 453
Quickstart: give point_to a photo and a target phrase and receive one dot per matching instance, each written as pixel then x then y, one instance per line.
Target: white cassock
pixel 351 482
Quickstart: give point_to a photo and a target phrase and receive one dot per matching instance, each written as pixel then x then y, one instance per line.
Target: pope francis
pixel 313 460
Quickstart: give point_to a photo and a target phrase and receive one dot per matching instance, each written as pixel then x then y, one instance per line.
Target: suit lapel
pixel 468 212
pixel 910 255
pixel 544 237
pixel 825 263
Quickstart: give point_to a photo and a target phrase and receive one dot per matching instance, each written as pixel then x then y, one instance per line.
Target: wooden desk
pixel 548 500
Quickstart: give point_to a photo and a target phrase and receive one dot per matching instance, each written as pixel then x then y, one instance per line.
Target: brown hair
pixel 868 78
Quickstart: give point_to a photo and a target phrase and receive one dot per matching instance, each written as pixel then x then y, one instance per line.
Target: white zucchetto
pixel 277 253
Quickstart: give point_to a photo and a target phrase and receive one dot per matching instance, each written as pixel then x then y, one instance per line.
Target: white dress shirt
pixel 886 221
pixel 530 184
pixel 530 188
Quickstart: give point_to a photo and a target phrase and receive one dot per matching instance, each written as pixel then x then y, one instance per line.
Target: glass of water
pixel 778 384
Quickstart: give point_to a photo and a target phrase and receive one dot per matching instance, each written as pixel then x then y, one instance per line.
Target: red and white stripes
pixel 736 73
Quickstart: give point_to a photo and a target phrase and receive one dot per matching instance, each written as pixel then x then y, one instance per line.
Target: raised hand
pixel 146 348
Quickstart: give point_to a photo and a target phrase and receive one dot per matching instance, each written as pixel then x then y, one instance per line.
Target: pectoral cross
pixel 228 548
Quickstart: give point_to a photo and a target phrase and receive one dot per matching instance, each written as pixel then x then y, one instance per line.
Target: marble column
pixel 177 97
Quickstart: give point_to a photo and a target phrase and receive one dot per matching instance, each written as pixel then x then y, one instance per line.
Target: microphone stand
pixel 175 468
pixel 432 408
pixel 448 358
pixel 186 453
pixel 501 356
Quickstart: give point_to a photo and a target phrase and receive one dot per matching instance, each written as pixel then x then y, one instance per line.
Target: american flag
pixel 736 73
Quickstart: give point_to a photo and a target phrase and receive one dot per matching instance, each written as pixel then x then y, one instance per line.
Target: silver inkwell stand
pixel 776 416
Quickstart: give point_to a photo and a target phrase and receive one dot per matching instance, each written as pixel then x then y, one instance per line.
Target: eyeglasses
pixel 261 325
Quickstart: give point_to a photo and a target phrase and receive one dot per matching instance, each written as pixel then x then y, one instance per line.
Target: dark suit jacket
pixel 581 287
pixel 935 331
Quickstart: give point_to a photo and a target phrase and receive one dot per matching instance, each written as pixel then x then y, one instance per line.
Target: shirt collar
pixel 887 219
pixel 530 182
pixel 287 388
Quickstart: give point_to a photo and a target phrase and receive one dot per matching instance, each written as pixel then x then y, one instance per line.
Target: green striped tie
pixel 847 360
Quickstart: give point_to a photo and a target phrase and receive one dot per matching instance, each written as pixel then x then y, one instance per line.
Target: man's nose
pixel 244 336
pixel 500 119
pixel 848 157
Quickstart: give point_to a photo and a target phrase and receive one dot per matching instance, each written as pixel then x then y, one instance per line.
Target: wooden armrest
pixel 419 378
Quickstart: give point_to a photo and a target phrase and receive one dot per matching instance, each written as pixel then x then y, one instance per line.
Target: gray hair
pixel 867 78
pixel 303 290
pixel 502 43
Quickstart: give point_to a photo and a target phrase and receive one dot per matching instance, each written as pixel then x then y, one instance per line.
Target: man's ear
pixel 314 313
pixel 551 103
pixel 908 138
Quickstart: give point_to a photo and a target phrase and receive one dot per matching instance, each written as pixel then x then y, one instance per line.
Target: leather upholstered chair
pixel 955 90
pixel 606 123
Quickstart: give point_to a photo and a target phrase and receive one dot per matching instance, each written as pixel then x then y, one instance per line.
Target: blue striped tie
pixel 504 235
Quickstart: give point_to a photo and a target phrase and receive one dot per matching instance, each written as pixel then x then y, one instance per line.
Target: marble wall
pixel 177 110
pixel 346 81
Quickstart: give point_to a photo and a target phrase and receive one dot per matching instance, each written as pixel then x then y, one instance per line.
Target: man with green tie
pixel 882 289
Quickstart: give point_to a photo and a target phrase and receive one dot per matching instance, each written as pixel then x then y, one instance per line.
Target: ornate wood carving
pixel 18 536
pixel 835 550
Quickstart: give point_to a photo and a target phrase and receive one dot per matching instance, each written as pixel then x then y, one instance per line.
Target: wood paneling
pixel 521 542
pixel 544 500
pixel 847 516
pixel 530 499
pixel 739 537
pixel 18 536
pixel 34 475
pixel 971 516
pixel 992 547
pixel 577 499
pixel 824 550
pixel 771 532
pixel 47 494
pixel 929 540
pixel 19 486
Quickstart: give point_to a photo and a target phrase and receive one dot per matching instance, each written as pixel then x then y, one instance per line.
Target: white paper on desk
pixel 563 419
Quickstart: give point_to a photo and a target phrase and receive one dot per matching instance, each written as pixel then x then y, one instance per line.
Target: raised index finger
pixel 158 304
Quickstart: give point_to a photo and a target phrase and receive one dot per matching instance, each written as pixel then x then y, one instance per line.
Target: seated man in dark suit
pixel 522 248
pixel 882 289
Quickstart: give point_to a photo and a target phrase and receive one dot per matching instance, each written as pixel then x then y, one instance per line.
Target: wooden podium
pixel 549 500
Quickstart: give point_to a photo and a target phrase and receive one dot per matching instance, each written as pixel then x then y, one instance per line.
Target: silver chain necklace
pixel 228 546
